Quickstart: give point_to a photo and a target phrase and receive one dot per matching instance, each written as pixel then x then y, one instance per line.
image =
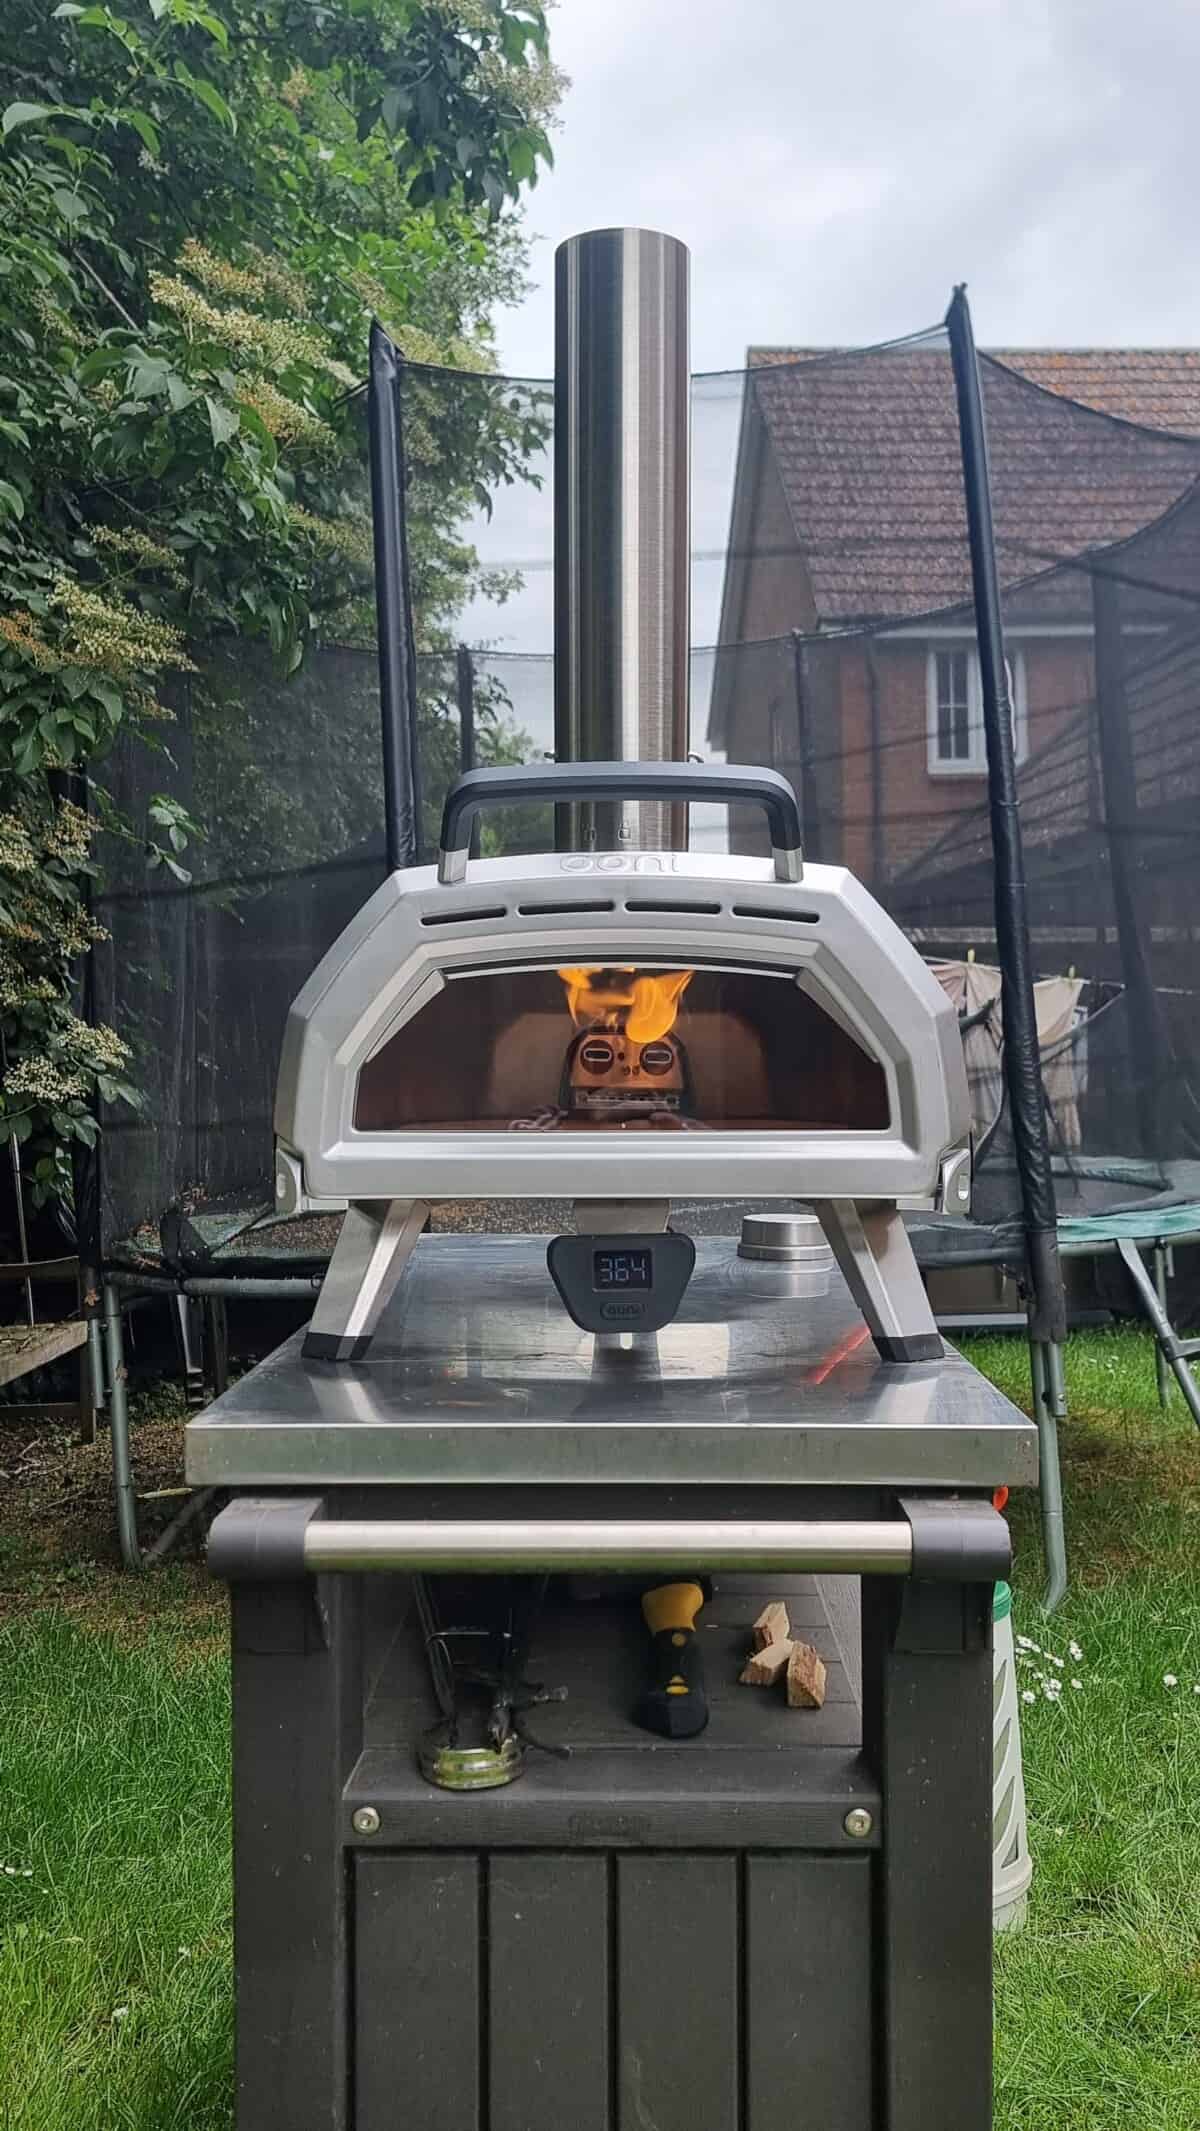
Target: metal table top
pixel 478 1374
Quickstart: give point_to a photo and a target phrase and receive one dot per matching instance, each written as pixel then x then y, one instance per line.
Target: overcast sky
pixel 835 168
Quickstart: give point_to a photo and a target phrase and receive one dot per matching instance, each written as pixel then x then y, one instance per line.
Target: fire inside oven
pixel 621 1047
pixel 626 1063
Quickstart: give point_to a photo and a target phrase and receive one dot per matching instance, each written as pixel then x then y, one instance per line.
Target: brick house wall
pixel 848 508
pixel 892 806
pixel 869 798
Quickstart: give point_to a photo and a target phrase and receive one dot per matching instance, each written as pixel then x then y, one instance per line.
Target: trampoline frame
pixel 1172 1355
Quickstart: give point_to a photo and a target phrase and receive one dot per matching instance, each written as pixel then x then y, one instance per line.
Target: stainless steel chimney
pixel 621 521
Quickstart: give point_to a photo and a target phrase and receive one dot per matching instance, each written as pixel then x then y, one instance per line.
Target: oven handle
pixel 280 1539
pixel 708 783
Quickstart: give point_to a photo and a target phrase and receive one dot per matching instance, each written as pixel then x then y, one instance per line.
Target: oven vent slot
pixel 465 917
pixel 785 917
pixel 699 910
pixel 559 910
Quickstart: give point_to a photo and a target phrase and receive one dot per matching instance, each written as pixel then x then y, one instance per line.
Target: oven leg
pixel 876 1259
pixel 377 1239
pixel 927 1730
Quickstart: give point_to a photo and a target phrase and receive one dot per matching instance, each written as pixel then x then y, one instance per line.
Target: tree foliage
pixel 201 206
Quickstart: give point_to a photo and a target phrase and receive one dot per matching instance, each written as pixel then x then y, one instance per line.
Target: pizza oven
pixel 479 1503
pixel 624 1028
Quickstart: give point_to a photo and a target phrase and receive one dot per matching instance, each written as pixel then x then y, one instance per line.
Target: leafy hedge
pixel 201 207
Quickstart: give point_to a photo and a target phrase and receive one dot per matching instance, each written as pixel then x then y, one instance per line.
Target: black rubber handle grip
pixel 675 1701
pixel 698 782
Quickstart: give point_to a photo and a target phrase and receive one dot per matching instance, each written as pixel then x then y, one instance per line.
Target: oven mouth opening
pixel 624 1044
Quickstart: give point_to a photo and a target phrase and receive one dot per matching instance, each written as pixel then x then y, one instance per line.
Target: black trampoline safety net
pixel 835 642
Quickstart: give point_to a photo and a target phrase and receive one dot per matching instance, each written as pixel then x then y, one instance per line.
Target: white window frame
pixel 973 764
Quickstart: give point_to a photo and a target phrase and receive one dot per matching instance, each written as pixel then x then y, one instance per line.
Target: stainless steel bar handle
pixel 722 783
pixel 868 1547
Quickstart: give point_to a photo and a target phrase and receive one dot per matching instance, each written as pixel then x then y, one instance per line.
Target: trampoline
pixel 909 662
pixel 947 1242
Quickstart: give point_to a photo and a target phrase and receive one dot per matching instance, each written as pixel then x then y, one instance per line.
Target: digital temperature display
pixel 621 1283
pixel 622 1270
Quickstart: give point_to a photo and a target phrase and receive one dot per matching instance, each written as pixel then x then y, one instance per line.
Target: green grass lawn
pixel 114 1813
pixel 1098 2001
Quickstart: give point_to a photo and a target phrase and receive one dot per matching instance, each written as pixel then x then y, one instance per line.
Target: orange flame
pixel 644 1006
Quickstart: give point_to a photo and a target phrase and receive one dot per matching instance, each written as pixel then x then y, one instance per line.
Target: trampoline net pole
pixel 1022 1067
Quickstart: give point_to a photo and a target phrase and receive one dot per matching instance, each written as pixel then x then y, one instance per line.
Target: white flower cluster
pixel 17 854
pixel 139 550
pixel 21 631
pixel 104 631
pixel 1050 1683
pixel 346 536
pixel 69 836
pixel 17 989
pixel 267 276
pixel 98 1047
pixel 286 420
pixel 270 343
pixel 1048 1686
pixel 44 1081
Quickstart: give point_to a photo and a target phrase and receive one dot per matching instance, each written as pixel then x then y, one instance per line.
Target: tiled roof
pixel 867 451
pixel 1156 387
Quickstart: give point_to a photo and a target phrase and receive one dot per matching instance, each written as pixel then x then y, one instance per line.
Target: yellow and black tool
pixel 675 1703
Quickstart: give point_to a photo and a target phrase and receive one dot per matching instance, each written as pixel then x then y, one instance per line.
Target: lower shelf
pixel 673 1797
